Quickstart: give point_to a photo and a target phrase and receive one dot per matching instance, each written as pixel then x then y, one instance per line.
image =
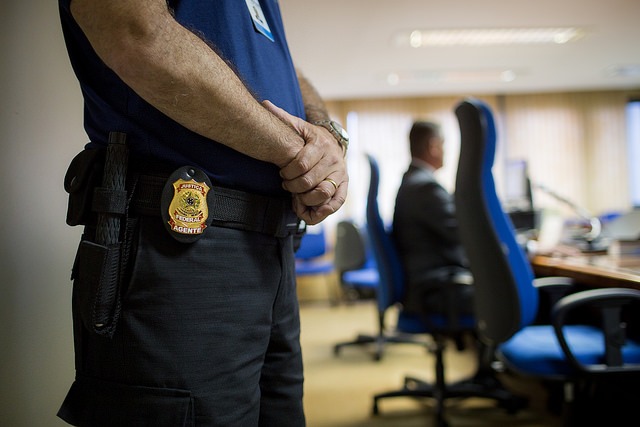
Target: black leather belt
pixel 230 208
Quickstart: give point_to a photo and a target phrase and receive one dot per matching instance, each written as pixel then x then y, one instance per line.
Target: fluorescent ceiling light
pixel 453 76
pixel 487 36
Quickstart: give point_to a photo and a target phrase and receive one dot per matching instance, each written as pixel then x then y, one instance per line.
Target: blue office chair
pixel 311 259
pixel 365 275
pixel 442 327
pixel 589 360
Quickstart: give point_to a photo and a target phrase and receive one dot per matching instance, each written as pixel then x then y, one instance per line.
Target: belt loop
pixel 287 221
pixel 301 227
pixel 291 225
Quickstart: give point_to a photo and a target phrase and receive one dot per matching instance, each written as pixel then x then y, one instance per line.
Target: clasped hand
pixel 317 176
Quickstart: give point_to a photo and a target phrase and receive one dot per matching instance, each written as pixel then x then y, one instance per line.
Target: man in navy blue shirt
pixel 229 148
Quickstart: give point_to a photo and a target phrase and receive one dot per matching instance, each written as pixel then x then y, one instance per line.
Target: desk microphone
pixel 594 222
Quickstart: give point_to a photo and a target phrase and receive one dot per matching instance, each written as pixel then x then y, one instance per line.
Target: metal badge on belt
pixel 185 204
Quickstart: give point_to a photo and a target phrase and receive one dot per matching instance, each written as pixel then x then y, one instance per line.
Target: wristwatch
pixel 337 131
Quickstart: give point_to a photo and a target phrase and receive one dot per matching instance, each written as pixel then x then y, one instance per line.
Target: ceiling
pixel 347 48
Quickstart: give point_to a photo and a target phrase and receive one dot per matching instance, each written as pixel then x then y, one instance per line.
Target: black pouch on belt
pixel 83 175
pixel 98 264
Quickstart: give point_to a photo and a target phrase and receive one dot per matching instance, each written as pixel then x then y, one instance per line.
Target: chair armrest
pixel 551 289
pixel 608 303
pixel 553 282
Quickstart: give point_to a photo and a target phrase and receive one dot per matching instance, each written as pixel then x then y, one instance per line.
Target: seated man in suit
pixel 425 229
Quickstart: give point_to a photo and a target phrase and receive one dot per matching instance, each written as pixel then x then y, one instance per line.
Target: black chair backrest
pixel 505 299
pixel 385 254
pixel 350 252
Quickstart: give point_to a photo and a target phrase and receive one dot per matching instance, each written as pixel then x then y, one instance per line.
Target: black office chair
pixel 442 327
pixel 354 263
pixel 585 349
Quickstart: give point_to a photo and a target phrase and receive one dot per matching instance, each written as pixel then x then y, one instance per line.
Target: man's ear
pixel 431 147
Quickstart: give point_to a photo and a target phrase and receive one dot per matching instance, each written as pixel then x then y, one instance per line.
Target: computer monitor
pixel 518 200
pixel 518 186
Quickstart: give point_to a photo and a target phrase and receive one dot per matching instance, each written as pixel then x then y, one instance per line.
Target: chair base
pixel 378 342
pixel 484 384
pixel 489 388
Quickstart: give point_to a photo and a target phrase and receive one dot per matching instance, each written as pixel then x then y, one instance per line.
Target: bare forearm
pixel 180 75
pixel 314 106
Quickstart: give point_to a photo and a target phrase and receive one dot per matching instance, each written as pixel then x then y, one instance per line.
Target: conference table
pixel 593 270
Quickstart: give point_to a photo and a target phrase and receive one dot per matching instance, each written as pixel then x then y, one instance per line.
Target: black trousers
pixel 208 336
pixel 425 292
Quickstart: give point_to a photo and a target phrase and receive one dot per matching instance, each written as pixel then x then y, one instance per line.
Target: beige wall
pixel 40 131
pixel 574 143
pixel 565 136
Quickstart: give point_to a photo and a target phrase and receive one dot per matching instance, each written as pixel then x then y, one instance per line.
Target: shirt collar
pixel 422 165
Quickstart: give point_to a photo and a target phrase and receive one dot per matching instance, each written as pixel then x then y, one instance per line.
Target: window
pixel 633 143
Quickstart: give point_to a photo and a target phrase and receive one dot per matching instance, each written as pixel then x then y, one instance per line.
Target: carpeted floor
pixel 339 389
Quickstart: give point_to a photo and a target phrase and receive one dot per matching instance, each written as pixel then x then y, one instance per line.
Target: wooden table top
pixel 599 270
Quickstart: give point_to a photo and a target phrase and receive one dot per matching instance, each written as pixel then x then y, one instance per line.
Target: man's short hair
pixel 419 136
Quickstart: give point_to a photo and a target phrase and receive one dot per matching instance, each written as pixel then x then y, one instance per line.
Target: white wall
pixel 40 131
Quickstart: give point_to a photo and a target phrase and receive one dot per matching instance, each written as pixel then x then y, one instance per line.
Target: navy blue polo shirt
pixel 264 65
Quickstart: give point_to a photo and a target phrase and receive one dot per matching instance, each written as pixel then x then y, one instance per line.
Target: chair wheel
pixel 411 383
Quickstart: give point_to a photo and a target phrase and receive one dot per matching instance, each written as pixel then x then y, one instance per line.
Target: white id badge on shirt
pixel 259 21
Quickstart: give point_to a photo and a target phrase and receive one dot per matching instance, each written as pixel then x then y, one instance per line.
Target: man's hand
pixel 317 176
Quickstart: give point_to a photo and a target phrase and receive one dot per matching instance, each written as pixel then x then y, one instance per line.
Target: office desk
pixel 592 270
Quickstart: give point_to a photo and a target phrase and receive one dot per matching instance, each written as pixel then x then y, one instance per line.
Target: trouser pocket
pixel 96 403
pixel 96 286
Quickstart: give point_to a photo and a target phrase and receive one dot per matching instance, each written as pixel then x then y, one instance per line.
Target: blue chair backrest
pixel 389 266
pixel 505 298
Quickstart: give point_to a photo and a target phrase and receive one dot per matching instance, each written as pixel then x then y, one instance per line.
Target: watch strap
pixel 331 125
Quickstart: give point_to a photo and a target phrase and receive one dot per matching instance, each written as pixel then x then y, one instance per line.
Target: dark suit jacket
pixel 425 231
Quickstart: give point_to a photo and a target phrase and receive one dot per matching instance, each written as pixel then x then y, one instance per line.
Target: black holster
pixel 100 266
pixel 96 279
